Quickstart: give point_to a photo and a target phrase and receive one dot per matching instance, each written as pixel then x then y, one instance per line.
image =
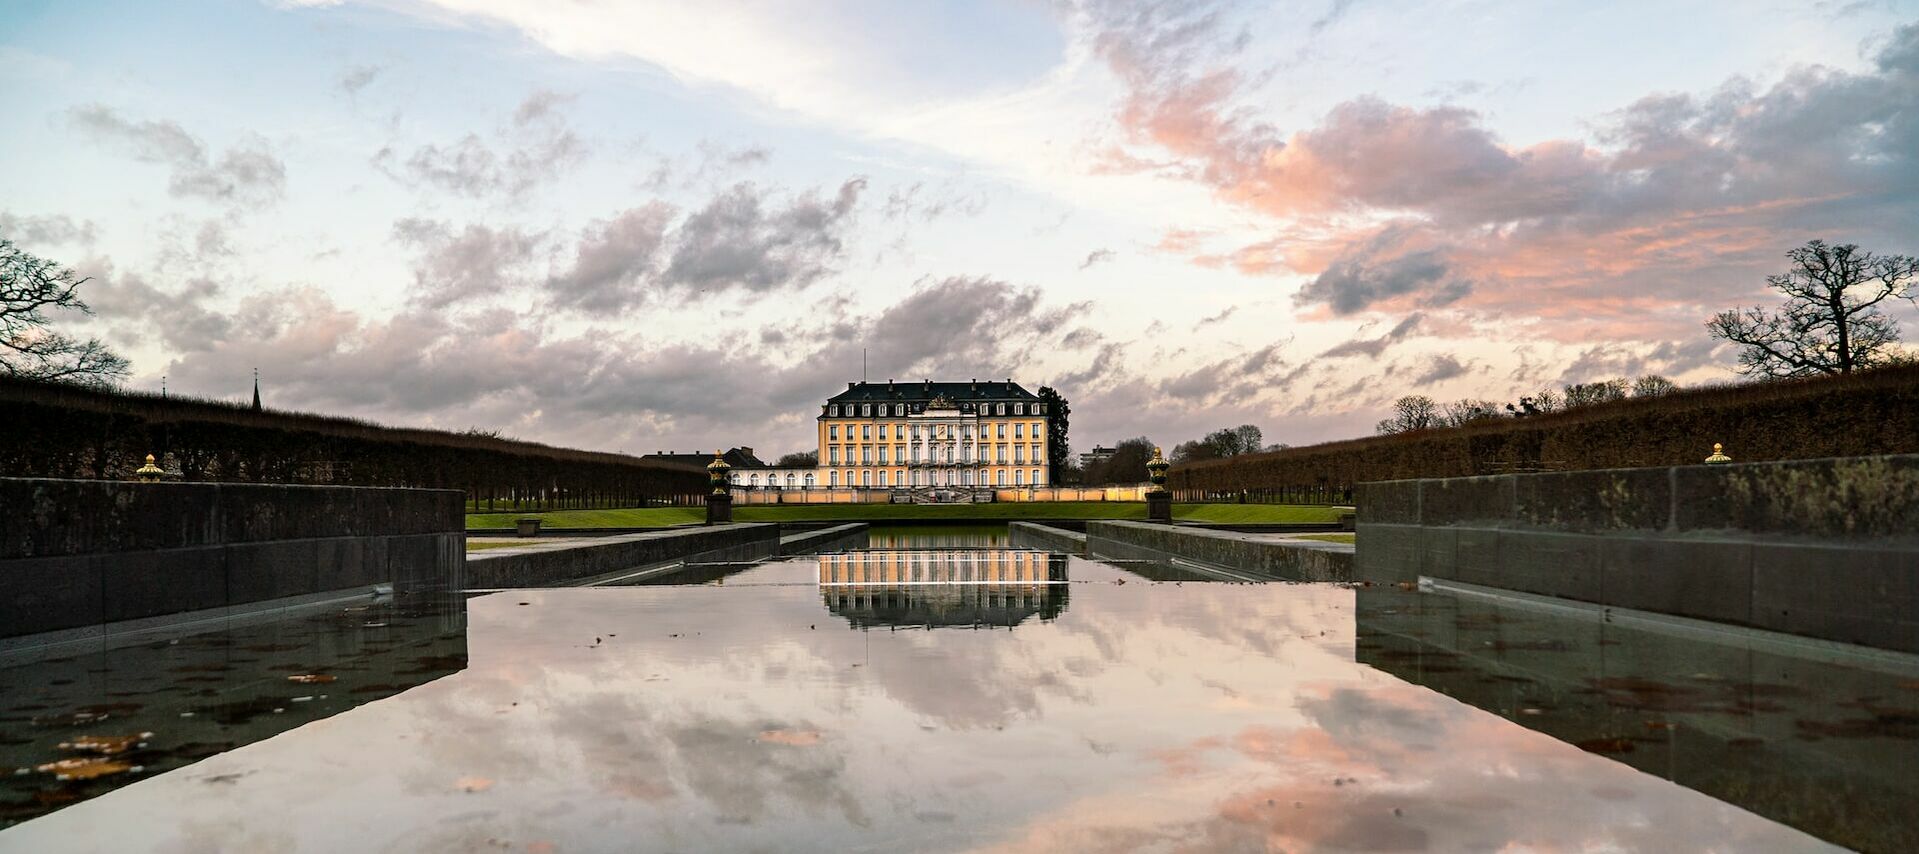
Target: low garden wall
pixel 576 562
pixel 82 553
pixel 1820 548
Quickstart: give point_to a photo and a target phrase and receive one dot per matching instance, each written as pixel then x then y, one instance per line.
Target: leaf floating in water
pixel 473 784
pixel 312 678
pixel 86 769
pixel 107 744
pixel 791 737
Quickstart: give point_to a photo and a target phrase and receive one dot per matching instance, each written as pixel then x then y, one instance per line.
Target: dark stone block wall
pixel 1821 548
pixel 1290 561
pixel 81 553
pixel 559 567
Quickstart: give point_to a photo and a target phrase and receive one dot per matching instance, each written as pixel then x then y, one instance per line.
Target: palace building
pixel 953 435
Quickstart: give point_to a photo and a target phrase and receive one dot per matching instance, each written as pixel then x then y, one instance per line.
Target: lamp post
pixel 1159 502
pixel 719 503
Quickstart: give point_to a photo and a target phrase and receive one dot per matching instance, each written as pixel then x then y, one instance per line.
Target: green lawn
pixel 659 517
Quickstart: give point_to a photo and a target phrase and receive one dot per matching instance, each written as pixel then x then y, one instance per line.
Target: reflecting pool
pixel 959 695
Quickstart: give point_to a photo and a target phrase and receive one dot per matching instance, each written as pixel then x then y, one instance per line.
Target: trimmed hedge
pixel 63 431
pixel 1873 412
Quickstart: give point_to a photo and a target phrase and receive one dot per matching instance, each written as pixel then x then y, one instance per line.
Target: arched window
pixel 882 477
pixel 969 477
pixel 753 479
pixel 1000 478
pixel 834 478
pixel 790 480
pixel 809 480
pixel 1019 477
pixel 1035 477
pixel 866 478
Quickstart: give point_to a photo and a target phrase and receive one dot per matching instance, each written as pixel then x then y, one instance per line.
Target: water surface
pixel 918 696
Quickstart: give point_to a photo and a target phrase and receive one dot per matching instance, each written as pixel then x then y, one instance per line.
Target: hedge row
pixel 1874 412
pixel 52 430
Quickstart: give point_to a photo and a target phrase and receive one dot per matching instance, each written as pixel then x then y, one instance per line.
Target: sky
pixel 665 226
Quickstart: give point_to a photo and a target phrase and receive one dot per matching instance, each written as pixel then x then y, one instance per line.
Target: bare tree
pixel 1831 322
pixel 1603 391
pixel 1653 385
pixel 798 459
pixel 1468 411
pixel 1412 412
pixel 30 287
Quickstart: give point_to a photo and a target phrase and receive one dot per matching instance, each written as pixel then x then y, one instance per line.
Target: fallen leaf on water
pixel 312 678
pixel 85 769
pixel 793 737
pixel 107 744
pixel 473 784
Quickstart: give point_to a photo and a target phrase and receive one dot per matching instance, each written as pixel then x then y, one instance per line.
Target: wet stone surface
pixel 950 692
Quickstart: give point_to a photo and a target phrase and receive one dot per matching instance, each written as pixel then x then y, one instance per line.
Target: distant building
pixel 1095 456
pixel 933 434
pixel 749 471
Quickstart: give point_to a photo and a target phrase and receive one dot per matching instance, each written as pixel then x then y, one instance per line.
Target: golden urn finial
pixel 1718 455
pixel 149 473
pixel 716 472
pixel 1156 470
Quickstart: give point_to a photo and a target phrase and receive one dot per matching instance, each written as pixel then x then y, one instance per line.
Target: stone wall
pixel 81 553
pixel 1036 536
pixel 1822 548
pixel 1260 555
pixel 574 563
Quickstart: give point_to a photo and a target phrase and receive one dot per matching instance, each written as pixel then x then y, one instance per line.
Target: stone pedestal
pixel 719 509
pixel 1159 507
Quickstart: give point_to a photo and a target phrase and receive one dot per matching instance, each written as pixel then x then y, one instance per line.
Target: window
pixel 1036 429
pixel 790 480
pixel 1035 477
pixel 1000 478
pixel 1001 410
pixel 1019 431
pixel 1019 409
pixel 866 431
pixel 833 455
pixel 833 432
pixel 1019 453
pixel 882 475
pixel 969 477
pixel 899 476
pixel 1002 431
pixel 835 476
pixel 1019 477
pixel 1039 409
pixel 916 431
pixel 833 410
pixel 866 409
pixel 882 455
pixel 866 478
pixel 882 410
pixel 809 481
pixel 866 455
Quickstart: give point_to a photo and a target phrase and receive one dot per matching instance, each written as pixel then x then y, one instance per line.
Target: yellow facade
pixel 931 448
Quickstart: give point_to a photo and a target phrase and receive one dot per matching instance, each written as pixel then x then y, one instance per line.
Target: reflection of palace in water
pixel 941 588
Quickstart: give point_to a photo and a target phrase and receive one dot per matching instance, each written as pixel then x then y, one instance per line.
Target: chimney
pixel 849 386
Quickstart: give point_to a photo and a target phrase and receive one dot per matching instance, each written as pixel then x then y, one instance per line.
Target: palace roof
pixel 926 390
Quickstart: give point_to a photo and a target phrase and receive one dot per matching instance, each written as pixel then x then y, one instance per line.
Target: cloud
pixel 55 230
pixel 615 261
pixel 1096 256
pixel 1373 347
pixel 358 77
pixel 247 174
pixel 474 262
pixel 1677 203
pixel 1388 266
pixel 919 202
pixel 740 241
pixel 1442 367
pixel 535 148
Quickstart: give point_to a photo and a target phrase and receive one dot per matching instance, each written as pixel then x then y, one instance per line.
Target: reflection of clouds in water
pixel 1367 778
pixel 1147 716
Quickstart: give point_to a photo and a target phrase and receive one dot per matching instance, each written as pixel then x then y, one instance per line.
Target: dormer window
pixel 866 409
pixel 1019 409
pixel 1001 410
pixel 882 410
pixel 833 410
